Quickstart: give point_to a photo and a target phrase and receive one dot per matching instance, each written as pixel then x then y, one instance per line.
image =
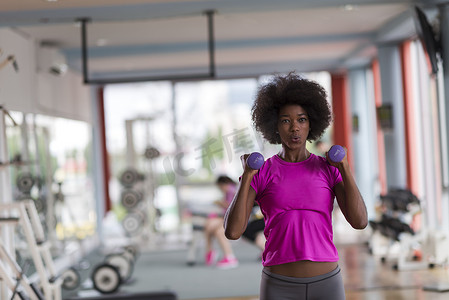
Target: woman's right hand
pixel 246 168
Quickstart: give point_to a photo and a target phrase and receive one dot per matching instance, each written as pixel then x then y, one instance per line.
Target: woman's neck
pixel 294 156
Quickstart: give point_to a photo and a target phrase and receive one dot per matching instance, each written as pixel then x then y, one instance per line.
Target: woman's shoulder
pixel 324 165
pixel 269 165
pixel 321 162
pixel 271 162
pixel 272 159
pixel 318 158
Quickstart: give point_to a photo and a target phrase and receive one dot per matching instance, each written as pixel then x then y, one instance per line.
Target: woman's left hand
pixel 340 163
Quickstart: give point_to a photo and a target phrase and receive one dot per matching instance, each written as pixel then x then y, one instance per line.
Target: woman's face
pixel 293 126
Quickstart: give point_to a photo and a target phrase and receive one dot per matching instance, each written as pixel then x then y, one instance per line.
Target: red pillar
pixel 380 134
pixel 410 130
pixel 342 114
pixel 104 150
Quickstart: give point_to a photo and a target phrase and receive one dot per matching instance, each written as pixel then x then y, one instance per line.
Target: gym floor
pixel 365 276
pixel 368 279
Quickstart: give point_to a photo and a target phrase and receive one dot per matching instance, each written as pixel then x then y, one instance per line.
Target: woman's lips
pixel 295 138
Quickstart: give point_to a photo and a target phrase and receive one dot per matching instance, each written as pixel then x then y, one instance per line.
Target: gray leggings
pixel 323 287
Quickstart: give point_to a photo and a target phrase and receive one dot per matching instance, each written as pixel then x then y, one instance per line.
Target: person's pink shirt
pixel 297 200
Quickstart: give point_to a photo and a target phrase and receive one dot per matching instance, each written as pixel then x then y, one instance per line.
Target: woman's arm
pixel 349 198
pixel 238 213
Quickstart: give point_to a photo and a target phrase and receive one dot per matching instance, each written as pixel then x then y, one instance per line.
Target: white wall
pixel 17 88
pixel 63 96
pixel 35 90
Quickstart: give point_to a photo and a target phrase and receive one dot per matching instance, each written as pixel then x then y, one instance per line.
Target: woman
pixel 295 190
pixel 213 227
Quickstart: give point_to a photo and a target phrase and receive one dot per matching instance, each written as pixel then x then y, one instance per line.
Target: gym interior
pixel 116 119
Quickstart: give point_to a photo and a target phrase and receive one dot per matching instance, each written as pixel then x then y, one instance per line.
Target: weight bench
pixel 198 220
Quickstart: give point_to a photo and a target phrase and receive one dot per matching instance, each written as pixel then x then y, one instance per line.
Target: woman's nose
pixel 294 126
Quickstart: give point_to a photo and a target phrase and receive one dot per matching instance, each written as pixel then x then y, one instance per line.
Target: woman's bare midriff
pixel 303 268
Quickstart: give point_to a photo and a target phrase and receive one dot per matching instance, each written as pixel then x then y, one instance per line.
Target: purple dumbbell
pixel 255 160
pixel 336 153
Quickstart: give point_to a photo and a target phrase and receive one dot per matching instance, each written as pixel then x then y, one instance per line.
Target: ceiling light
pixel 349 7
pixel 102 42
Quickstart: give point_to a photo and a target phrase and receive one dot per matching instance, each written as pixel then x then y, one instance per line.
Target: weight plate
pixel 132 223
pixel 71 279
pixel 130 198
pixel 129 177
pixel 129 256
pixel 25 182
pixel 106 278
pixel 132 250
pixel 124 265
pixel 151 153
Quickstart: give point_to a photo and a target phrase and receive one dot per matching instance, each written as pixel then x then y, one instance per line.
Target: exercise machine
pixel 25 215
pixel 139 186
pixel 400 208
pixel 6 232
pixel 20 286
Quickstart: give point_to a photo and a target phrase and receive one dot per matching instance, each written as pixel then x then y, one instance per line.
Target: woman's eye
pixel 285 121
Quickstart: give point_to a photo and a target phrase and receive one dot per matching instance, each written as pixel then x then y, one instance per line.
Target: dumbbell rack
pixel 27 217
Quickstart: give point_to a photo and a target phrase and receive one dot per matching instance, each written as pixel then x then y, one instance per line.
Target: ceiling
pixel 140 40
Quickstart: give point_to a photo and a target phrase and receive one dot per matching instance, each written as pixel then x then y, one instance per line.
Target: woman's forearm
pixel 238 212
pixel 354 206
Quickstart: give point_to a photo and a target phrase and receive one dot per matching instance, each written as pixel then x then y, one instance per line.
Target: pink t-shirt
pixel 229 195
pixel 296 200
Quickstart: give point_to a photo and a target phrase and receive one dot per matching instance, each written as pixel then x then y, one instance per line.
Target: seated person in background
pixel 214 227
pixel 254 231
pixel 322 147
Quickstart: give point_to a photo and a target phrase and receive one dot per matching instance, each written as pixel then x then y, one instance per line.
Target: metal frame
pixel 21 281
pixel 6 234
pixel 101 81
